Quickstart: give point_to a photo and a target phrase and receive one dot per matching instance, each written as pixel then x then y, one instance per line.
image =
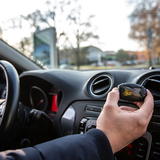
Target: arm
pixel 121 125
pixel 124 124
pixel 91 146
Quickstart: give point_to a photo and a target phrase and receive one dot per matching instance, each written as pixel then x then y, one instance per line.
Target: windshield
pixel 84 34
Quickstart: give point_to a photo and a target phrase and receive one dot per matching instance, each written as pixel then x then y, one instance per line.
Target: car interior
pixel 39 105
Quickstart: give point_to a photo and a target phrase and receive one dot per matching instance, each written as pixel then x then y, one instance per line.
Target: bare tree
pixel 146 14
pixel 80 30
pixel 83 30
pixel 25 46
pixel 36 20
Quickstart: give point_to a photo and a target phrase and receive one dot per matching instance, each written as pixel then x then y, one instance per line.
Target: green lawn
pixel 89 67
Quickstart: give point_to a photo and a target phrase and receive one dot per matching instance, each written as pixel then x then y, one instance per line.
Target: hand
pixel 122 125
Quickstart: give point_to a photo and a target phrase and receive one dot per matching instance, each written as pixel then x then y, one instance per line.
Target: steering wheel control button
pixel 132 92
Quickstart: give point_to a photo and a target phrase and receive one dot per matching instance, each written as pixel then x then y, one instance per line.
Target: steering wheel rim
pixel 10 106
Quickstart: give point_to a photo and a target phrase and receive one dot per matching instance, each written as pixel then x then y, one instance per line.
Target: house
pixel 141 56
pixel 88 54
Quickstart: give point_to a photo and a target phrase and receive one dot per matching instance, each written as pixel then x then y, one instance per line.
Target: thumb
pixel 112 98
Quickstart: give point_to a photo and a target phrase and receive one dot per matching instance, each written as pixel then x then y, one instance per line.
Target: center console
pixel 137 150
pixel 82 116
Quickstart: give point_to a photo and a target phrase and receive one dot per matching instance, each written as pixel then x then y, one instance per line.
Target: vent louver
pixel 153 84
pixel 100 85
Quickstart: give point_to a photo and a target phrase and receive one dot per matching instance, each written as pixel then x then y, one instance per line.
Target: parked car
pixel 97 64
pixel 66 66
pixel 127 63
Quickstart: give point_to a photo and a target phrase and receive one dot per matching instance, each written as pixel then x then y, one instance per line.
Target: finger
pixel 150 116
pixel 112 100
pixel 113 97
pixel 147 106
pixel 129 109
pixel 139 104
pixel 148 103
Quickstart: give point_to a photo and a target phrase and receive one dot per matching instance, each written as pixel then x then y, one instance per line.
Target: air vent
pixel 152 83
pixel 100 85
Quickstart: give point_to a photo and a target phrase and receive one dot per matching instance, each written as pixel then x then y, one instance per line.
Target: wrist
pixel 102 143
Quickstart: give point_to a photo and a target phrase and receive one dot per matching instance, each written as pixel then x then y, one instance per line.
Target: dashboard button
pixel 140 156
pixel 82 125
pixel 156 154
pixel 157 144
pixel 90 127
pixel 83 122
pixel 93 108
pixel 81 132
pixel 142 144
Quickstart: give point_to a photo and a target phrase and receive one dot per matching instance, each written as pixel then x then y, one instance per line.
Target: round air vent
pixel 100 85
pixel 152 83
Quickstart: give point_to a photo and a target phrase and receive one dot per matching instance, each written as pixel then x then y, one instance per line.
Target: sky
pixel 111 19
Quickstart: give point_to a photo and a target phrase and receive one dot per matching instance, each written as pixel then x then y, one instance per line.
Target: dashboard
pixel 74 99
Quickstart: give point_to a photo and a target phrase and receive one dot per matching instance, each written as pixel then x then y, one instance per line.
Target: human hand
pixel 122 125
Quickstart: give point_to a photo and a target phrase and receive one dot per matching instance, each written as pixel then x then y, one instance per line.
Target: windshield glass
pixel 84 34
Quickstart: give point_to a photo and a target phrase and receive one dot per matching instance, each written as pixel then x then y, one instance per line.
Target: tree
pixel 83 56
pixel 35 20
pixel 133 57
pixel 82 31
pixel 25 46
pixel 146 14
pixel 75 31
pixel 122 55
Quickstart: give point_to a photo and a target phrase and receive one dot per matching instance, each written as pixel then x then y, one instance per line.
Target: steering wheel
pixel 9 107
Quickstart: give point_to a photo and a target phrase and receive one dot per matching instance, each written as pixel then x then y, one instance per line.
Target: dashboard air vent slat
pixel 100 85
pixel 154 80
pixel 99 90
pixel 153 84
pixel 101 81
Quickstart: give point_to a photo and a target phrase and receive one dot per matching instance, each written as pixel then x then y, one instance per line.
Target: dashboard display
pixel 38 98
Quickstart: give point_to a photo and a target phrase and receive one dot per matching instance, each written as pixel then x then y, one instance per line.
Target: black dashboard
pixel 74 99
